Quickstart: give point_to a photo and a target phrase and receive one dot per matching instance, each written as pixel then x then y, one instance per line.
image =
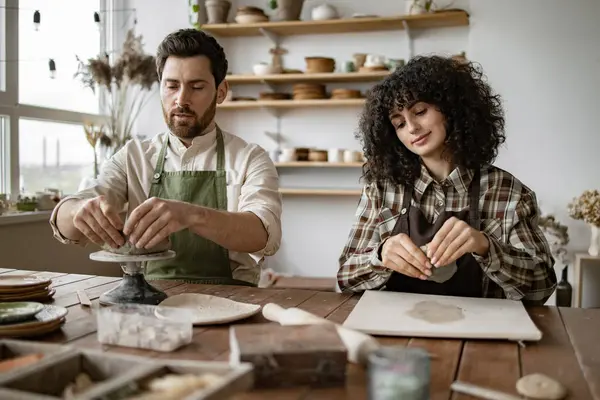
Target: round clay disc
pixel 105 256
pixel 442 274
pixel 540 386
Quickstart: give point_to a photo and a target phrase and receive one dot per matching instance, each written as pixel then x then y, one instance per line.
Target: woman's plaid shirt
pixel 519 265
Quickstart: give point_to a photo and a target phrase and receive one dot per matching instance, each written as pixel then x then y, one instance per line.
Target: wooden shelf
pixel 291 103
pixel 321 192
pixel 321 77
pixel 347 25
pixel 315 164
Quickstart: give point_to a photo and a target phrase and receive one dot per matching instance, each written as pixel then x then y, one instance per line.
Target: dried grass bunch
pixel 127 85
pixel 586 207
pixel 557 235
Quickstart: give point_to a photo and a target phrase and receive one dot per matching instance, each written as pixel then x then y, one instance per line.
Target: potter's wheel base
pixel 133 289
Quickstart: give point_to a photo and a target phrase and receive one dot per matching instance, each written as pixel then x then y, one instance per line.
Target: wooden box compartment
pixel 27 355
pixel 52 378
pixel 117 377
pixel 220 381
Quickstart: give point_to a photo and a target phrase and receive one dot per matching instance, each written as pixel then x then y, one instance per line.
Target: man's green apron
pixel 197 260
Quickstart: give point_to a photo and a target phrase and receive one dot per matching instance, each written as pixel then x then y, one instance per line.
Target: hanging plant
pixel 127 85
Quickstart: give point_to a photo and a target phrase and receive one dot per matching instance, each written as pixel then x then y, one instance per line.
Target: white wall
pixel 540 55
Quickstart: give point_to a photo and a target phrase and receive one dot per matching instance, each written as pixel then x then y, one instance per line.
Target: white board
pixel 419 315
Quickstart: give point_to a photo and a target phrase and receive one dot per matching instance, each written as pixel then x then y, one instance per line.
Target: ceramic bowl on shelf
pixel 324 12
pixel 265 69
pixel 250 18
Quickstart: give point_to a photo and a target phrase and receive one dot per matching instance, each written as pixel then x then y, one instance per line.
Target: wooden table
pixel 569 350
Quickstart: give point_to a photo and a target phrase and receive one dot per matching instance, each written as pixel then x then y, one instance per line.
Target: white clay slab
pixel 419 315
pixel 207 309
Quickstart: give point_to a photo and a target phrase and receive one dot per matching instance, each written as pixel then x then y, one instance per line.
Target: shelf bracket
pixel 271 85
pixel 409 39
pixel 273 37
pixel 273 111
pixel 275 137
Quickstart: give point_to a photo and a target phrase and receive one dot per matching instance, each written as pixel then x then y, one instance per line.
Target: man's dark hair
pixel 192 43
pixel 473 114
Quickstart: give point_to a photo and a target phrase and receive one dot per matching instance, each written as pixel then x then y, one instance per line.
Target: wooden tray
pixel 10 348
pixel 112 373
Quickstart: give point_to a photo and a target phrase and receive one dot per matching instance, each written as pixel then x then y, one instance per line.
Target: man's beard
pixel 189 129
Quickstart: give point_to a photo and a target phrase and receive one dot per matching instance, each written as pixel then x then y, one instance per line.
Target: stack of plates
pixel 26 319
pixel 309 91
pixel 25 288
pixel 345 94
pixel 273 96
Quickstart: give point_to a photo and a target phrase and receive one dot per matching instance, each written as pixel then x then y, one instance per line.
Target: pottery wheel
pixel 133 288
pixel 107 256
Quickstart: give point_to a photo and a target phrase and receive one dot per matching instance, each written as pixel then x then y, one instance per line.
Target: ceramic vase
pixel 289 10
pixel 217 11
pixel 594 248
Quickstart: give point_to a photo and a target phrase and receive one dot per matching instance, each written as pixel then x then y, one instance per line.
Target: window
pixel 2 46
pixel 53 155
pixel 42 139
pixel 67 29
pixel 4 154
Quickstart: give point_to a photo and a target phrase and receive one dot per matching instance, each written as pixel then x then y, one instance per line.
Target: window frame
pixel 9 99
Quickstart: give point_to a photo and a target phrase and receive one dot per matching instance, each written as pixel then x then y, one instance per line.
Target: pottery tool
pixel 84 300
pixel 133 287
pixel 481 392
pixel 288 356
pixel 358 344
pixel 420 315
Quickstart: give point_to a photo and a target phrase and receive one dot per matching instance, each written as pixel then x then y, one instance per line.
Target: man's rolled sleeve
pixel 55 231
pixel 260 196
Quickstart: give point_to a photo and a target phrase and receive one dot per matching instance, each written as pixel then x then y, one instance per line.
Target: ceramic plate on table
pixel 208 309
pixel 23 289
pixel 50 317
pixel 38 295
pixel 18 311
pixel 20 281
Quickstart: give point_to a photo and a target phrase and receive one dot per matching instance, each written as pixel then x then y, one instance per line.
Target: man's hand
pixel 454 239
pixel 99 222
pixel 400 254
pixel 155 219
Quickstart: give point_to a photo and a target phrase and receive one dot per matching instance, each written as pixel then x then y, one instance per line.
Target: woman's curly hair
pixel 473 114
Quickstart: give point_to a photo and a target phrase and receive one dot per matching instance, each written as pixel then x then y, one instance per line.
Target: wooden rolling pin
pixel 358 344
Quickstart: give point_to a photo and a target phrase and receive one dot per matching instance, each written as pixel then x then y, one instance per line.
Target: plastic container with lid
pixel 145 326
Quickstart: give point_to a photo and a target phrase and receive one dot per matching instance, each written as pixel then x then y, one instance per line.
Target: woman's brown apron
pixel 467 281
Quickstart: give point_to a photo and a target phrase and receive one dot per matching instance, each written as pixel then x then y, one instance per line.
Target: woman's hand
pixel 400 254
pixel 455 239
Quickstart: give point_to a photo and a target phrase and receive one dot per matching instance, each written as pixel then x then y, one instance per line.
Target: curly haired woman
pixel 435 217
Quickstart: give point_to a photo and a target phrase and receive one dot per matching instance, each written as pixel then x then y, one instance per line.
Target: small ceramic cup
pixel 287 155
pixel 335 155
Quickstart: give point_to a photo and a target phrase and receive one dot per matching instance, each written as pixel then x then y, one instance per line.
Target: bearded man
pixel 214 196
